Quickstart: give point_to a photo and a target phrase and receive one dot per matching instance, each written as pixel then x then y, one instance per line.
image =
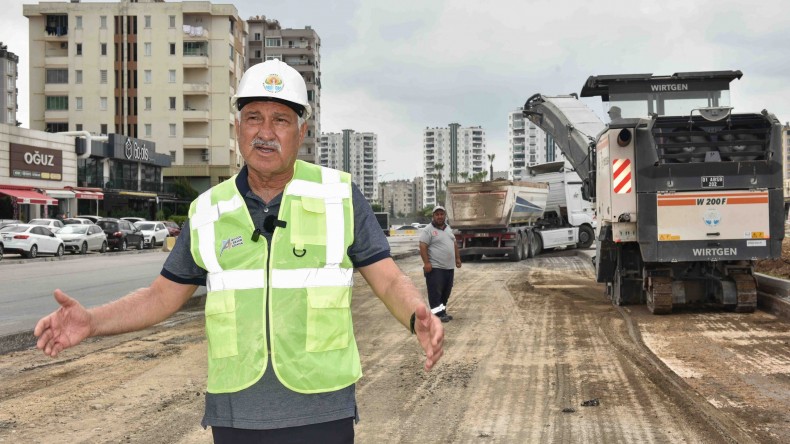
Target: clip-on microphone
pixel 269 223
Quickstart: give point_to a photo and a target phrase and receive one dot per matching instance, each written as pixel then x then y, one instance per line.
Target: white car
pixel 53 224
pixel 153 232
pixel 30 240
pixel 80 238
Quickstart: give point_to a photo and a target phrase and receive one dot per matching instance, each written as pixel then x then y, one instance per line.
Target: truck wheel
pixel 586 236
pixel 524 246
pixel 537 245
pixel 515 255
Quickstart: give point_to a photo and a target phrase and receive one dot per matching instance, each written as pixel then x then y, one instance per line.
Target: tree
pixel 377 207
pixel 437 174
pixel 478 177
pixel 491 165
pixel 465 176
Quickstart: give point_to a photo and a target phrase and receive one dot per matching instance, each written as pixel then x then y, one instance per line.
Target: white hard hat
pixel 438 208
pixel 276 81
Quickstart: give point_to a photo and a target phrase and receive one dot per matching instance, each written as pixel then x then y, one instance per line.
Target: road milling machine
pixel 688 194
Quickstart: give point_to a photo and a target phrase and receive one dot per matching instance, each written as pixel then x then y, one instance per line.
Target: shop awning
pixel 90 195
pixel 137 194
pixel 29 197
pixel 60 194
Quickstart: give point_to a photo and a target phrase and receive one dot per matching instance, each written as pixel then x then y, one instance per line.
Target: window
pixel 172 130
pixel 172 21
pixel 103 104
pixel 148 103
pixel 57 127
pixel 257 53
pixel 173 156
pixel 79 49
pixel 171 76
pixel 103 22
pixel 79 21
pixel 257 37
pixel 78 103
pixel 103 128
pixel 147 46
pixel 147 76
pixel 57 75
pixel 103 76
pixel 231 52
pixel 273 42
pixel 172 49
pixel 147 130
pixel 147 20
pixel 11 118
pixel 172 103
pixel 78 127
pixel 78 76
pixel 57 103
pixel 274 56
pixel 104 49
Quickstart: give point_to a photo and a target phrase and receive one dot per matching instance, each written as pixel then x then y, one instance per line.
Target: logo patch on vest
pixel 227 244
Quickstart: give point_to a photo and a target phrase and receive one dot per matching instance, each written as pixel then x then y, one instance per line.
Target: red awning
pixel 92 195
pixel 29 197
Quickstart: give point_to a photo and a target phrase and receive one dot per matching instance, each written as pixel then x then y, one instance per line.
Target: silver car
pixel 30 240
pixel 81 238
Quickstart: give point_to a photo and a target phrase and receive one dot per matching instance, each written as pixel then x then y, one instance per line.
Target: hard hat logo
pixel 273 83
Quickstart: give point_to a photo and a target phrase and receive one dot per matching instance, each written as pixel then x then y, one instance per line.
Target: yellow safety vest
pixel 307 279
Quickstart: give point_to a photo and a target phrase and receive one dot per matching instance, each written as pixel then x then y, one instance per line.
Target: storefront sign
pixel 29 162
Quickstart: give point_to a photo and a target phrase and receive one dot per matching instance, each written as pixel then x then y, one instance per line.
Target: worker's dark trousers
pixel 332 432
pixel 440 284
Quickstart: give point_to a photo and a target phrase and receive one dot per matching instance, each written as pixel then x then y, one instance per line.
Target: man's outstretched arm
pixel 402 299
pixel 72 323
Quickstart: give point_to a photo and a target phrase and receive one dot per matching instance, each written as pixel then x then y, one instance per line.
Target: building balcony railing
pixel 194 61
pixel 195 115
pixel 195 88
pixel 195 142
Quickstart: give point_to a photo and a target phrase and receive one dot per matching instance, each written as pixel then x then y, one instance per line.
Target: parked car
pixel 30 240
pixel 53 224
pixel 2 247
pixel 6 222
pixel 78 221
pixel 172 227
pixel 154 232
pixel 80 238
pixel 121 233
pixel 133 219
pixel 91 218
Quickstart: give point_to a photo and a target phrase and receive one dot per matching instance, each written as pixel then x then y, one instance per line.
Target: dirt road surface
pixel 531 343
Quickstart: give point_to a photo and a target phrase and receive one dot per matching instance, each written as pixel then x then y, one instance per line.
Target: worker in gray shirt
pixel 440 255
pixel 276 247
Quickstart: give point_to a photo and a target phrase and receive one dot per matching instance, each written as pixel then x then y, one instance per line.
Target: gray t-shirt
pixel 441 246
pixel 268 404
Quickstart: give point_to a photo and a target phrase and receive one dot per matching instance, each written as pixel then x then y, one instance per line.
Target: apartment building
pixel 355 153
pixel 149 69
pixel 8 90
pixel 528 145
pixel 299 48
pixel 452 154
pixel 401 198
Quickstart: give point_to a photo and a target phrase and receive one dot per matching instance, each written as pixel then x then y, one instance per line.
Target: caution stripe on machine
pixel 621 176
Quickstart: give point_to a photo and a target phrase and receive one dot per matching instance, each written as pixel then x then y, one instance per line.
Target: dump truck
pixel 498 218
pixel 565 206
pixel 688 194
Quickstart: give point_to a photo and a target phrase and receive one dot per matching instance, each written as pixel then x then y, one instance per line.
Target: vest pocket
pixel 328 318
pixel 221 324
pixel 309 222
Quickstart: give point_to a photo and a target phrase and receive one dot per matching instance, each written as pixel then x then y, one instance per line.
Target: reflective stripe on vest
pixel 311 336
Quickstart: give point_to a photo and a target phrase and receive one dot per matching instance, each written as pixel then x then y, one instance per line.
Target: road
pixel 26 286
pixel 531 343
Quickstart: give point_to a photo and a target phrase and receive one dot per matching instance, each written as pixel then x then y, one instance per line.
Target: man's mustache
pixel 271 144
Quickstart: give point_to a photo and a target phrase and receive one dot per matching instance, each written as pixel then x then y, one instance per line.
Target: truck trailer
pixel 688 194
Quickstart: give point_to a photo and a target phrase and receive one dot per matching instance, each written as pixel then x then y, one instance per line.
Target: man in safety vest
pixel 276 247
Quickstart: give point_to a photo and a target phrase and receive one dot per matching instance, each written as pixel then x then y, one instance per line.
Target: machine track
pixel 659 295
pixel 746 287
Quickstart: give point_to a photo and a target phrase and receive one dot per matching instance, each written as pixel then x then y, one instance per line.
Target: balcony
pixel 195 142
pixel 56 89
pixel 196 115
pixel 195 88
pixel 195 61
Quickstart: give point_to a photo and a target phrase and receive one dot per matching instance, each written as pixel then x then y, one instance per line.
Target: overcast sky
pixel 394 68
